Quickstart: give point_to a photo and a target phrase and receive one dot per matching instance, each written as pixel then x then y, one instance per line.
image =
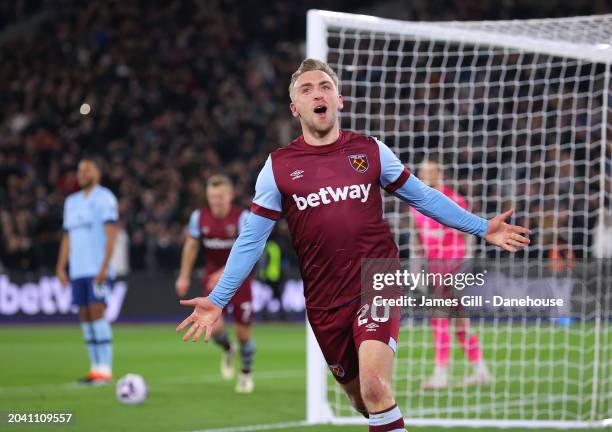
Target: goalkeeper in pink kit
pixel 440 245
pixel 327 184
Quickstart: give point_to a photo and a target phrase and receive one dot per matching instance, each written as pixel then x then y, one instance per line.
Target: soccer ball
pixel 131 389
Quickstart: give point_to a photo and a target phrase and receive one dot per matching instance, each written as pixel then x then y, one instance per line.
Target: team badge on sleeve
pixel 337 370
pixel 359 162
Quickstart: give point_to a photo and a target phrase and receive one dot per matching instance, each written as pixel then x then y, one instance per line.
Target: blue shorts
pixel 86 292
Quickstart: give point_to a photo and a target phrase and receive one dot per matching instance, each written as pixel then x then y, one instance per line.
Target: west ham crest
pixel 359 162
pixel 337 370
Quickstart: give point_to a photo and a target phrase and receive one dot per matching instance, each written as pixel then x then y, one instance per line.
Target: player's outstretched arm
pixel 438 206
pixel 243 256
pixel 506 236
pixel 396 179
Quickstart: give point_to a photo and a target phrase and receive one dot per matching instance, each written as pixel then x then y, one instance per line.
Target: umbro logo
pixel 297 174
pixel 371 327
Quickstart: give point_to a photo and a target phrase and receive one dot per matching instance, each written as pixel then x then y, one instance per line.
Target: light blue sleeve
pixel 108 207
pixel 268 199
pixel 438 206
pixel 244 255
pixel 244 216
pixel 391 168
pixel 194 224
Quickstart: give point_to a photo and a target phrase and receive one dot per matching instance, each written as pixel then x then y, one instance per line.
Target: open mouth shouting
pixel 320 110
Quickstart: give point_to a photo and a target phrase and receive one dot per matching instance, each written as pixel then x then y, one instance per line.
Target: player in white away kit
pixel 440 243
pixel 90 218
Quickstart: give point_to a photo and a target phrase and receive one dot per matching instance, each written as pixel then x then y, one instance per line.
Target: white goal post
pixel 518 113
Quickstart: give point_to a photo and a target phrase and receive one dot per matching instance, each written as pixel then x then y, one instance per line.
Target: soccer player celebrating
pixel 90 218
pixel 217 227
pixel 326 183
pixel 441 244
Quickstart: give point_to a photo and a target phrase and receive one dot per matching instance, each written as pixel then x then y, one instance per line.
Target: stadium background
pixel 178 90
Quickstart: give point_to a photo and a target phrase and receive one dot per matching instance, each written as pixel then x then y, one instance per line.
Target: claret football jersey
pixel 217 234
pixel 331 198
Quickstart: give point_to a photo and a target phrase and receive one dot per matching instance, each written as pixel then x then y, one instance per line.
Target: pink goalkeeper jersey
pixel 439 241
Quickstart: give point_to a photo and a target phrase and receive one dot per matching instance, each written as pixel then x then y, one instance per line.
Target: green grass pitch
pixel 186 393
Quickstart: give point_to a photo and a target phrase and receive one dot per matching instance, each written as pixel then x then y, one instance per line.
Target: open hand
pixel 205 315
pixel 506 236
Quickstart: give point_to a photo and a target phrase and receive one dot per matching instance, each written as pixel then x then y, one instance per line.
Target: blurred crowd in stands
pixel 177 90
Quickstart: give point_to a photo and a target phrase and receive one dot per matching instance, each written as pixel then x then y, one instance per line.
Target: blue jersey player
pixel 90 217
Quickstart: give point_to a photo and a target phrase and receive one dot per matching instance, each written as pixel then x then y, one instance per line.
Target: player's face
pixel 316 102
pixel 219 197
pixel 429 173
pixel 88 174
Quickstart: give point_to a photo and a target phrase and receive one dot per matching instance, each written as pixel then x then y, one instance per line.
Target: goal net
pixel 518 115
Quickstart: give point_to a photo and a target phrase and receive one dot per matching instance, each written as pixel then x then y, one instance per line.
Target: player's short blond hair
pixel 218 180
pixel 308 65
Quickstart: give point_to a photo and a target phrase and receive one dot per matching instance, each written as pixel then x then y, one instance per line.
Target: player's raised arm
pixel 396 179
pixel 245 253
